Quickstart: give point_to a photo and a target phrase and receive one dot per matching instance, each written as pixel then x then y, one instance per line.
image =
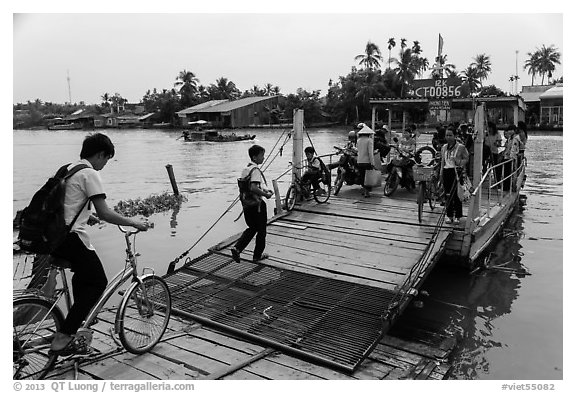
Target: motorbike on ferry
pixel 399 169
pixel 399 172
pixel 347 171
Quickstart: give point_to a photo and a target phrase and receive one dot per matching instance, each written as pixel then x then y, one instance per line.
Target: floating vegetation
pixel 148 206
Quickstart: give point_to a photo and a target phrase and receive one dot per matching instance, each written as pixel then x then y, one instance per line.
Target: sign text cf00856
pixel 438 88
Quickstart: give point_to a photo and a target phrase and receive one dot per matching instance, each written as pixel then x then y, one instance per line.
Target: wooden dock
pixel 351 257
pixel 190 351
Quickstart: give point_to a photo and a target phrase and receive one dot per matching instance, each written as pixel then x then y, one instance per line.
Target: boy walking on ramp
pixel 254 206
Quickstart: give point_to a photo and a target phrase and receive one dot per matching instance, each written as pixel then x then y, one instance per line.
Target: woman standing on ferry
pixel 454 158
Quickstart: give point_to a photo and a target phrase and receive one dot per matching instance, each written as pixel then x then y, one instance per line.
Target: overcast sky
pixel 131 53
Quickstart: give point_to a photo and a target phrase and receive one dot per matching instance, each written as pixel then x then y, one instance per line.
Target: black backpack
pixel 42 224
pixel 247 197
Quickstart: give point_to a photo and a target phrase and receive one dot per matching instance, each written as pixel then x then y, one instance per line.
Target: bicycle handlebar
pixel 135 231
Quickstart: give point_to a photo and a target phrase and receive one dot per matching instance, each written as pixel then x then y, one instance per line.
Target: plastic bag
pixel 373 178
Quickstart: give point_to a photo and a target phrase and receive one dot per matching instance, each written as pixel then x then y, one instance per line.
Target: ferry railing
pixel 490 182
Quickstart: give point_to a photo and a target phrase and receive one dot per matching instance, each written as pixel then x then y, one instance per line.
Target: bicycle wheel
pixel 143 314
pixel 34 323
pixel 421 193
pixel 432 193
pixel 391 183
pixel 322 193
pixel 290 200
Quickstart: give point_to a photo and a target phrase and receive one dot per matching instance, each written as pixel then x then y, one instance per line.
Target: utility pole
pixel 516 76
pixel 69 91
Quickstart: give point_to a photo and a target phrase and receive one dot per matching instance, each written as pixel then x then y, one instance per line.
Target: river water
pixel 508 322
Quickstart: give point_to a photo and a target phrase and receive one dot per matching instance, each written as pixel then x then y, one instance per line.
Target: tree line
pixel 346 101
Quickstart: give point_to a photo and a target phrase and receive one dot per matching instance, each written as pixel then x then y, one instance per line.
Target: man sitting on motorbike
pixel 407 148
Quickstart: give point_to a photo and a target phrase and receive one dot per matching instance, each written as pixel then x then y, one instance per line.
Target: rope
pixel 419 267
pixel 172 264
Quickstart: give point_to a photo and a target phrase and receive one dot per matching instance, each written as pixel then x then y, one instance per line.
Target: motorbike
pixel 398 174
pixel 347 171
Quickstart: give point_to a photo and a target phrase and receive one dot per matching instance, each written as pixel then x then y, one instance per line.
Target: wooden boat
pixel 214 136
pixel 64 126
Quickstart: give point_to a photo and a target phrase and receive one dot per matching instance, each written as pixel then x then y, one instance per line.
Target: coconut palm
pixel 483 66
pixel 391 44
pixel 188 87
pixel 471 78
pixel 416 48
pixel 371 57
pixel 188 79
pixel 532 65
pixel 268 89
pixel 224 89
pixel 407 68
pixel 449 68
pixel 548 57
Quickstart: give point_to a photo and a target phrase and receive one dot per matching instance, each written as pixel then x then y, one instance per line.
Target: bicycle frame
pixel 117 281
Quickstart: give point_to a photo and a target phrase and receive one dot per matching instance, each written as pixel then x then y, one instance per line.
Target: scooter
pixel 347 170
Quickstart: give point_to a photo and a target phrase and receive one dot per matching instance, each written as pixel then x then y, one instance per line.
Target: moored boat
pixel 214 136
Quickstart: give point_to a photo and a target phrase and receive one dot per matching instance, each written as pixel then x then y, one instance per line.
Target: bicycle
pixel 300 189
pixel 141 319
pixel 428 185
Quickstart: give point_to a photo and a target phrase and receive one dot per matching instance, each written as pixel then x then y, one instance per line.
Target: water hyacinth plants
pixel 150 205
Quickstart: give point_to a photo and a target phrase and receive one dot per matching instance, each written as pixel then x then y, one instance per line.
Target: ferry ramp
pixel 338 276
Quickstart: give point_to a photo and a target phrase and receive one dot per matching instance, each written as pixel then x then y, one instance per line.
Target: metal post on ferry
pixel 297 143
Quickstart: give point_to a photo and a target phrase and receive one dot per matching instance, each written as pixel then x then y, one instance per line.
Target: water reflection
pixel 173 220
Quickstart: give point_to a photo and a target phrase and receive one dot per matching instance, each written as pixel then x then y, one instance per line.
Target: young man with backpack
pixel 253 206
pixel 83 190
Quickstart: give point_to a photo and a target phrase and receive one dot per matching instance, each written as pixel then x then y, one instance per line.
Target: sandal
pixel 262 257
pixel 72 348
pixel 235 255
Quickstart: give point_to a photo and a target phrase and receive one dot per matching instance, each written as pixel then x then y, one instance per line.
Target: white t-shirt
pixel 255 177
pixel 81 186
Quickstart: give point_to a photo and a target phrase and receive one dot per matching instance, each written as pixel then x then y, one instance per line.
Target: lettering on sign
pixel 438 88
pixel 439 104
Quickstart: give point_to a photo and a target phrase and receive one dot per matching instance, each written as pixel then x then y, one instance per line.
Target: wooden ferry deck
pixel 190 351
pixel 321 307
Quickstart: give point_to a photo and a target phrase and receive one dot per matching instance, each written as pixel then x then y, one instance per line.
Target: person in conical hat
pixel 365 146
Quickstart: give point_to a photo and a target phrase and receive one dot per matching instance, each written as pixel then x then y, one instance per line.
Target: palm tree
pixel 226 89
pixel 416 48
pixel 402 44
pixel 532 65
pixel 407 68
pixel 187 78
pixel 449 68
pixel 391 44
pixel 106 101
pixel 371 57
pixel 548 57
pixel 471 78
pixel 188 87
pixel 483 66
pixel 268 89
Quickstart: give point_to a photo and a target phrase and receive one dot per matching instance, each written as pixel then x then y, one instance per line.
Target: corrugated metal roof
pixel 146 116
pixel 231 105
pixel 555 92
pixel 531 96
pixel 199 107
